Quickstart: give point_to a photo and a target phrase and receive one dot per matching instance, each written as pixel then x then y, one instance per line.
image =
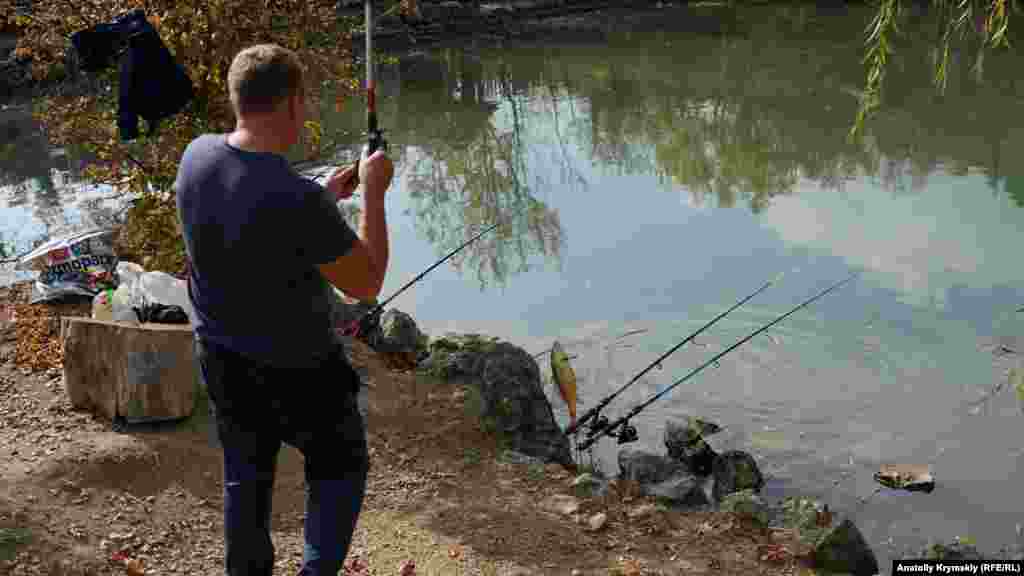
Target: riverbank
pixel 76 496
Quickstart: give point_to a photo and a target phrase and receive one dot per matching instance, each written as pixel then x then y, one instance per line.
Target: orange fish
pixel 565 377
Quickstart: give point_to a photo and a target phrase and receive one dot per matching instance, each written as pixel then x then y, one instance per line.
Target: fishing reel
pixel 375 140
pixel 627 434
pixel 599 426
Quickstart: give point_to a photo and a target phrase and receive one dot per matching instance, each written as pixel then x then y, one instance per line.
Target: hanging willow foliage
pixel 988 20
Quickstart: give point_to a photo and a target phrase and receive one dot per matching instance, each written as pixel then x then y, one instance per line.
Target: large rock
pixel 399 333
pixel 836 547
pixel 843 549
pixel 456 356
pixel 684 441
pixel 511 394
pixel 735 471
pixel 136 372
pixel 661 477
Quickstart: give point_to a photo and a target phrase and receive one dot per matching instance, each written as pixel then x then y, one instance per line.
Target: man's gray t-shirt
pixel 255 232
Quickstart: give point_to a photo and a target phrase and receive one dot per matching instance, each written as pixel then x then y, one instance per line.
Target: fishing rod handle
pixel 375 142
pixel 588 416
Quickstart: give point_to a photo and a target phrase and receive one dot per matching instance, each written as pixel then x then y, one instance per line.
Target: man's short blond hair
pixel 261 77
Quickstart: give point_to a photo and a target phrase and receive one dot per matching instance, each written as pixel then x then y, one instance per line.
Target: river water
pixel 659 169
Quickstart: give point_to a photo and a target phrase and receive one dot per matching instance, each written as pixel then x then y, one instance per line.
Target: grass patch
pixel 10 540
pixel 535 472
pixel 473 456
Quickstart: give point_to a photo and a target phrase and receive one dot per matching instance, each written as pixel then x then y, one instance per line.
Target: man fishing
pixel 264 245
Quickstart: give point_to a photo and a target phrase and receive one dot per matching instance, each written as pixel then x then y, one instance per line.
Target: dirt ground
pixel 77 498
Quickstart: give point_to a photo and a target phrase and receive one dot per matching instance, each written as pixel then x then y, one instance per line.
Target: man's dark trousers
pixel 256 407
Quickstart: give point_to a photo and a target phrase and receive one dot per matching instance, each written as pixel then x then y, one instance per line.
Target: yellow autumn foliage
pixel 203 37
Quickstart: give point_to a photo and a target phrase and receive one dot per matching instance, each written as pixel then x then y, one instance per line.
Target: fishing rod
pixel 629 432
pixel 365 324
pixel 601 422
pixel 375 135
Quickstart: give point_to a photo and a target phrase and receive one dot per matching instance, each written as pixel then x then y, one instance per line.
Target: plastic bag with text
pixel 82 264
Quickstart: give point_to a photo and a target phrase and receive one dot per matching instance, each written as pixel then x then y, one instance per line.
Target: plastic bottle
pixel 102 305
pixel 122 303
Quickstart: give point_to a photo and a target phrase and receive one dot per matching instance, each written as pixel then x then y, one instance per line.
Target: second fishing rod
pixel 600 422
pixel 624 420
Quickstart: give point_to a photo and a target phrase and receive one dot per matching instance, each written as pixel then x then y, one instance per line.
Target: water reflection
pixel 727 119
pixel 42 191
pixel 618 142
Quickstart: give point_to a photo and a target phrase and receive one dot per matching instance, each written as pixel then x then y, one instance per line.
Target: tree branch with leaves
pixel 203 38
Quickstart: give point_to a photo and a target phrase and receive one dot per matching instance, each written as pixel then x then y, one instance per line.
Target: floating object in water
pixel 565 377
pixel 909 477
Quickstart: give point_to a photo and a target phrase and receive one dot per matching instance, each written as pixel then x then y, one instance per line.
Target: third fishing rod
pixel 601 421
pixel 624 421
pixel 364 325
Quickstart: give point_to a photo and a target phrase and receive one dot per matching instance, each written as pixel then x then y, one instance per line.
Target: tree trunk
pixel 141 372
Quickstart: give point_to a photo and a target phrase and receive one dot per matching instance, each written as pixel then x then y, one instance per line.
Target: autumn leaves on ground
pixel 77 498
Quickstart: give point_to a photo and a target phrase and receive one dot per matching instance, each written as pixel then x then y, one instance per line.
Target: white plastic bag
pixel 162 288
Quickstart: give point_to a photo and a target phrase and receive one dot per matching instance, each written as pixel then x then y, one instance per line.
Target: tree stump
pixel 141 373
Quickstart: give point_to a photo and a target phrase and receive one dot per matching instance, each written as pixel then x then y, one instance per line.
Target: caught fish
pixel 565 377
pixel 909 477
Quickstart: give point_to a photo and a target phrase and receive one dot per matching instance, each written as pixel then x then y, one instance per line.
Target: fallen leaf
pixel 134 567
pixel 630 567
pixel 408 568
pixel 454 553
pixel 774 553
pixel 119 557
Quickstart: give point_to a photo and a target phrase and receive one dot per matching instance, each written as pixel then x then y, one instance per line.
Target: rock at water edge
pixel 734 471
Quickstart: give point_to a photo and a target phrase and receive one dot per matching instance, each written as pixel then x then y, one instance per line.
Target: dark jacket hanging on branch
pixel 152 84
